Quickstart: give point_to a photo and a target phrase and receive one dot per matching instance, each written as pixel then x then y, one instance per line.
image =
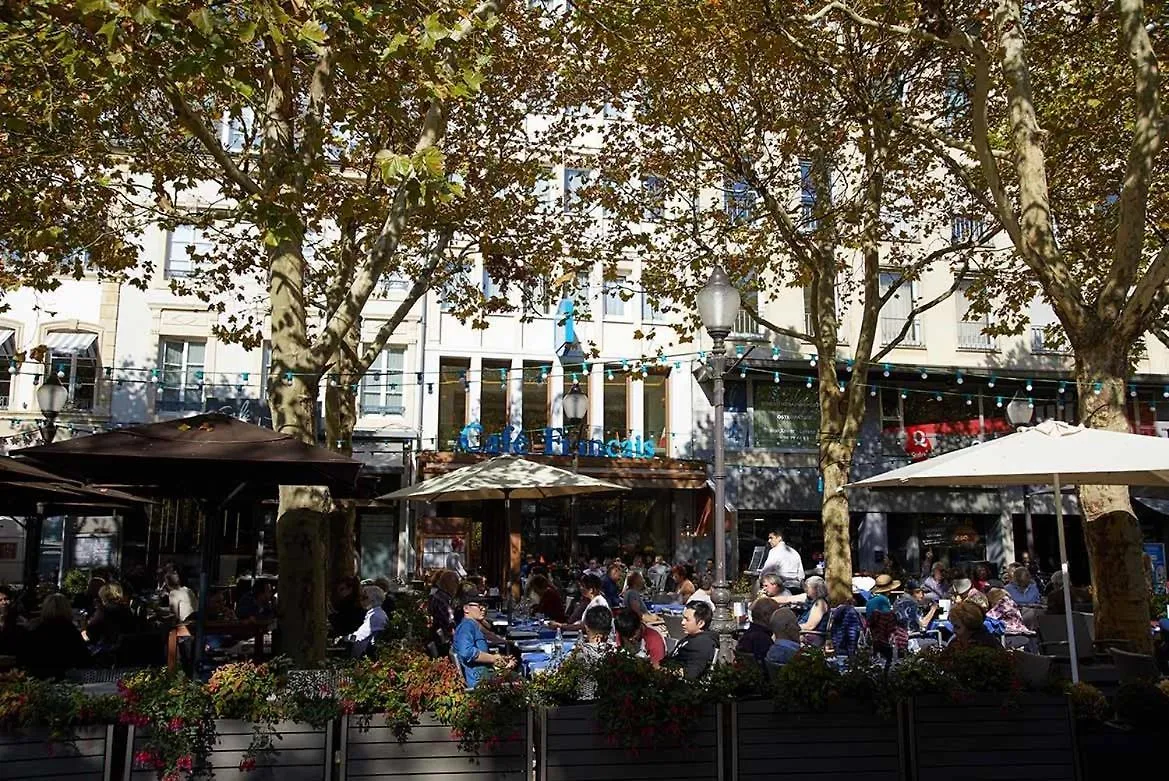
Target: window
pixel 452 400
pixel 73 358
pixel 970 325
pixel 654 190
pixel 381 387
pixel 614 297
pixel 616 404
pixel 807 219
pixel 738 200
pixel 7 365
pixel 651 312
pixel 180 387
pixel 655 403
pixel 897 310
pixel 494 392
pixel 575 181
pixel 535 403
pixel 956 105
pixel 184 244
pixel 240 129
pixel 785 416
pixel 964 228
pixel 746 326
pixel 491 288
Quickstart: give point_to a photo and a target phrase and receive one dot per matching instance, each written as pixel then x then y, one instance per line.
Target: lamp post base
pixel 723 623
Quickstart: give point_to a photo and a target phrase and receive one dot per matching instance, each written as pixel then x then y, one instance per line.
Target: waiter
pixel 784 561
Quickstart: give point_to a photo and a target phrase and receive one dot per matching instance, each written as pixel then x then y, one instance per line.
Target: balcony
pixel 1041 345
pixel 891 328
pixel 971 337
pixel 747 327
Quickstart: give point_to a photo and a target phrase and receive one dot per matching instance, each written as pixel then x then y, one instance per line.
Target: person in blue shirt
pixel 470 646
pixel 1022 588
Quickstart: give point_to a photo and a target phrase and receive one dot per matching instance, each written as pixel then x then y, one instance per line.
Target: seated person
pixel 594 648
pixel 54 644
pixel 756 641
pixel 591 596
pixel 470 646
pixel 963 590
pixel 815 620
pixel 545 598
pixel 256 602
pixel 639 639
pixel 372 624
pixel 1022 588
pixel 694 654
pixel 111 620
pixel 785 631
pixel 969 627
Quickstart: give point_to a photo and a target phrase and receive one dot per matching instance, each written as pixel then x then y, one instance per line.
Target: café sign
pixel 513 441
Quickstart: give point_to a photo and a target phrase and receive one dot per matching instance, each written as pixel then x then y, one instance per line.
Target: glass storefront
pixel 626 526
pixel 452 401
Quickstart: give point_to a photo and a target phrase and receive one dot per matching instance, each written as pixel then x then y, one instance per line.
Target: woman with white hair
pixel 816 619
pixel 373 624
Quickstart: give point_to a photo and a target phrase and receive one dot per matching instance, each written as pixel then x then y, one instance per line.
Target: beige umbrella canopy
pixel 504 477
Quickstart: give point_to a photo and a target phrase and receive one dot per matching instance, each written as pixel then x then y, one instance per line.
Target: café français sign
pixel 556 443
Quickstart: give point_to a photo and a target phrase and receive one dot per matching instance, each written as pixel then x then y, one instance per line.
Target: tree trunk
pixel 1111 530
pixel 300 524
pixel 340 422
pixel 835 458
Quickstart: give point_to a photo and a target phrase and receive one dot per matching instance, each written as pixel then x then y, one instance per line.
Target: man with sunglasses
pixel 470 646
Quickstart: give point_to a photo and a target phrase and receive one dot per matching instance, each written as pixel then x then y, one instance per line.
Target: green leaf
pixel 312 31
pixel 270 239
pixel 247 31
pixel 202 20
pixel 109 30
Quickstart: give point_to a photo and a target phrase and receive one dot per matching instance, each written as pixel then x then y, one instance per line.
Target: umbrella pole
pixel 1067 583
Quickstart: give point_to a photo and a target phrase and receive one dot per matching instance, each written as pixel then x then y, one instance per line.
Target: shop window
pixel 535 403
pixel 493 396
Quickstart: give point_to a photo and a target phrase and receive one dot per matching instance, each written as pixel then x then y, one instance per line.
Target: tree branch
pixel 195 126
pixel 421 284
pixel 956 39
pixel 951 142
pixel 314 116
pixel 1146 144
pixel 777 329
pixel 916 311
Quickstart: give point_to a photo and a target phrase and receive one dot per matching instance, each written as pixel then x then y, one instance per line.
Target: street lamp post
pixel 576 409
pixel 718 306
pixel 1019 414
pixel 51 398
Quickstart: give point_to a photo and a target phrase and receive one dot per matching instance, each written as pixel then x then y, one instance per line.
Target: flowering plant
pixel 376 687
pixel 639 706
pixel 488 714
pixel 29 703
pixel 176 716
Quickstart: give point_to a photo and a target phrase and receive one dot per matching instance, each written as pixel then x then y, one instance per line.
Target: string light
pixel 990 382
pixel 998 401
pixel 1063 386
pixel 969 401
pixel 885 370
pixel 904 395
pixel 775 378
pixel 808 383
pixel 1031 402
pixel 925 375
pixel 873 390
pixel 959 379
pixel 1097 388
pixel 1132 391
pixel 1028 387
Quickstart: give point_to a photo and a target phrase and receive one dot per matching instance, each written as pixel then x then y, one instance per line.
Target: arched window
pixel 73 357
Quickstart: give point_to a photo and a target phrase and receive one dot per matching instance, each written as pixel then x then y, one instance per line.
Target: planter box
pixel 573 748
pixel 1109 753
pixel 302 753
pixel 430 752
pixel 844 742
pixel 979 736
pixel 31 755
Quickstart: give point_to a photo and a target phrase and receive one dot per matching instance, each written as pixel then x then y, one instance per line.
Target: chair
pixel 1053 635
pixel 1135 668
pixel 1033 670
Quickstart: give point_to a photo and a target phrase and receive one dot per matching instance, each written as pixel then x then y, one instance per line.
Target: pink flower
pixel 348 707
pixel 184 762
pixel 144 759
pixel 175 724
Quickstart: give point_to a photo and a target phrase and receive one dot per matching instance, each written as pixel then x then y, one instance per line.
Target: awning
pixel 71 343
pixel 7 343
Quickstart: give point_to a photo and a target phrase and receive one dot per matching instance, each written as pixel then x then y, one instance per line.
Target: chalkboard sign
pixel 757 557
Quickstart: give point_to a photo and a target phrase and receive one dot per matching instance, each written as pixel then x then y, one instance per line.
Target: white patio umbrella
pixel 1051 452
pixel 503 477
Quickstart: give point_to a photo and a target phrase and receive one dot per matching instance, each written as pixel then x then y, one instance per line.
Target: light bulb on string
pixel 904 395
pixel 609 374
pixel 990 382
pixel 1165 392
pixel 1063 386
pixel 1031 402
pixel 808 383
pixel 998 401
pixel 1028 387
pixel 812 359
pixel 885 370
pixel 1097 388
pixel 873 390
pixel 775 377
pixel 925 375
pixel 775 353
pixel 959 379
pixel 1132 391
pixel 743 374
pixel 969 401
pixel 938 397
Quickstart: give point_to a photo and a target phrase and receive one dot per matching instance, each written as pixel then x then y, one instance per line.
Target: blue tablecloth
pixel 538 660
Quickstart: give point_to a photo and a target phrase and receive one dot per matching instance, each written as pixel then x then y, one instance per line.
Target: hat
pixel 883 584
pixel 962 585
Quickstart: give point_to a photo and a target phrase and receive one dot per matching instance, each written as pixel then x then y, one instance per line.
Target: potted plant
pixel 50 729
pixel 848 707
pixel 409 713
pixel 975 698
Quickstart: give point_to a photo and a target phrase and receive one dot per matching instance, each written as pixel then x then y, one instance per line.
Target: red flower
pixel 184 762
pixel 247 764
pixel 348 707
pixel 144 759
pixel 175 724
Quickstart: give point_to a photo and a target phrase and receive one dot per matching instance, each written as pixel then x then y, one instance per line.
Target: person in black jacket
pixel 756 641
pixel 54 645
pixel 695 653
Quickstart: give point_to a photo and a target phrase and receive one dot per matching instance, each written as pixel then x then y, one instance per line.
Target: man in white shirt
pixel 784 561
pixel 590 590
